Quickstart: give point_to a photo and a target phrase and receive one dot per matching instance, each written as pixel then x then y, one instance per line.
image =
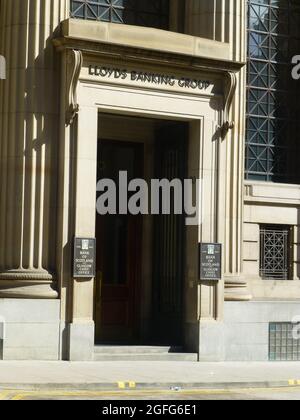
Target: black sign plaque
pixel 210 262
pixel 84 258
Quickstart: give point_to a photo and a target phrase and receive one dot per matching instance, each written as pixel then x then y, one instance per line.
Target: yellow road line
pixel 8 394
pixel 294 382
pixel 145 393
pixel 124 385
pixel 4 395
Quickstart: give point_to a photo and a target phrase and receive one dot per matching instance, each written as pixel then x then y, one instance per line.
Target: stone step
pixel 115 350
pixel 146 357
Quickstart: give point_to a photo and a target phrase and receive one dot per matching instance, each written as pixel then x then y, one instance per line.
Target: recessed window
pixel 154 13
pixel 275 252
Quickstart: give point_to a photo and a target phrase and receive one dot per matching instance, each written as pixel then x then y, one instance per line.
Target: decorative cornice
pixel 75 62
pixel 229 92
pixel 140 55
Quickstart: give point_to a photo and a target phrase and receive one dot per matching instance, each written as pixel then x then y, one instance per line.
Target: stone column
pixel 29 111
pixel 209 18
pixel 177 13
pixel 224 21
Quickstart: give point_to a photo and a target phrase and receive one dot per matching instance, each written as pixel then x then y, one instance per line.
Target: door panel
pixel 118 253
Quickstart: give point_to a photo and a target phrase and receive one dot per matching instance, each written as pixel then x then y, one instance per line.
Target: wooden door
pixel 118 253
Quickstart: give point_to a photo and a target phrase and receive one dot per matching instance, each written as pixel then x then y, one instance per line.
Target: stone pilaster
pixel 236 287
pixel 211 18
pixel 224 21
pixel 29 111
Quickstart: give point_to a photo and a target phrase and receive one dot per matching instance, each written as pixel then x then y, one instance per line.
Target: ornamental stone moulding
pixel 230 89
pixel 75 61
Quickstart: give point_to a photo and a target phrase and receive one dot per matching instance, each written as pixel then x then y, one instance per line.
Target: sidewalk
pixel 146 375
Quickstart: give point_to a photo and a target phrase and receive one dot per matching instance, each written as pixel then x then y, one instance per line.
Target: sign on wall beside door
pixel 84 258
pixel 210 262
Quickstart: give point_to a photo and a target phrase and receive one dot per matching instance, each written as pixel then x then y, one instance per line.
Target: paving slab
pixel 134 375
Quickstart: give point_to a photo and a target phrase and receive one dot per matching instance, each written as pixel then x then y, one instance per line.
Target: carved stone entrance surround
pixel 209 116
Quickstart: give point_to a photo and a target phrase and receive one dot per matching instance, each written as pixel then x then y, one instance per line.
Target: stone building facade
pixel 95 87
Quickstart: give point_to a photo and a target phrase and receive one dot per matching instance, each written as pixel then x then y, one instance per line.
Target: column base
pixel 211 341
pixel 81 342
pixel 207 339
pixel 236 290
pixel 27 284
pixel 31 329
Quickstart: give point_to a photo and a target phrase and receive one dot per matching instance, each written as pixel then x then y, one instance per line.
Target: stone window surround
pixel 269 203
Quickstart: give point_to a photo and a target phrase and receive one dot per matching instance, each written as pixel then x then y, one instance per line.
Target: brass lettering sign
pixel 159 79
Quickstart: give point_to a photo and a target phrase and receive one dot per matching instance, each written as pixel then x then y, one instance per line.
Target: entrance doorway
pixel 118 251
pixel 139 291
pixel 169 241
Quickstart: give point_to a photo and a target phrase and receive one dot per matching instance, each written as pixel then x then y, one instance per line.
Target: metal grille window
pixel 154 13
pixel 272 108
pixel 283 346
pixel 275 252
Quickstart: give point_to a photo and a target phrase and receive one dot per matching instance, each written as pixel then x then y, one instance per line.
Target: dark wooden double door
pixel 119 250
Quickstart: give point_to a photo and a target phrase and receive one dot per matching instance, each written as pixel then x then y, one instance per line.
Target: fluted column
pixel 29 113
pixel 210 18
pixel 224 21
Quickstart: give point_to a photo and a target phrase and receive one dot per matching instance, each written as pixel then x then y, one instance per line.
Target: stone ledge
pixel 137 44
pixel 145 38
pixel 269 193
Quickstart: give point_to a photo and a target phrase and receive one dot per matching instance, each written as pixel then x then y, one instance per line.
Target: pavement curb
pixel 132 386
